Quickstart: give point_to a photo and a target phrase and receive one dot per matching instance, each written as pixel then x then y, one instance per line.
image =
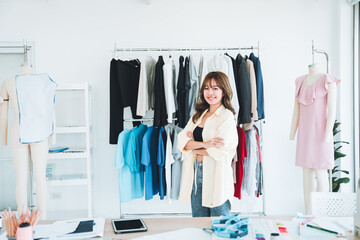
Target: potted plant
pixel 337 181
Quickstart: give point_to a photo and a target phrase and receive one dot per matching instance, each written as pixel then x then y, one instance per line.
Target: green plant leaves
pixel 336 182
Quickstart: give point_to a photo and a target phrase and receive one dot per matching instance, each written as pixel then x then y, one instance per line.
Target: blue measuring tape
pixel 232 226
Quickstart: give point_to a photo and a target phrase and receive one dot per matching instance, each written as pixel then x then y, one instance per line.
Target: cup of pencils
pixel 21 229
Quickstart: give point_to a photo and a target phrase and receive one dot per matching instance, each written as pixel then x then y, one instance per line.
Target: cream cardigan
pixel 218 185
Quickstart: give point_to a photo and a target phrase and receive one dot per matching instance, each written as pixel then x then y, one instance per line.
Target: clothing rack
pixel 10 49
pixel 27 47
pixel 315 50
pixel 143 119
pixel 116 49
pixel 16 47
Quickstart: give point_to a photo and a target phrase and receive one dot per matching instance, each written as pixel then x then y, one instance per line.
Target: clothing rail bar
pixel 142 119
pixel 116 49
pixel 28 47
pixel 180 49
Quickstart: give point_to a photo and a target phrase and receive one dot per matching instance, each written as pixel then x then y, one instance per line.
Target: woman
pixel 208 144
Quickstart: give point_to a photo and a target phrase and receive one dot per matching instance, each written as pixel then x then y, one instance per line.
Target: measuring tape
pixel 232 226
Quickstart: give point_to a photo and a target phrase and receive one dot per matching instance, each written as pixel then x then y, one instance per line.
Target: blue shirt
pixel 124 170
pixel 133 161
pixel 148 159
pixel 161 162
pixel 259 86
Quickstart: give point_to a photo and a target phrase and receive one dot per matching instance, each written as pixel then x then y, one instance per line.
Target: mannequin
pixel 322 179
pixel 21 153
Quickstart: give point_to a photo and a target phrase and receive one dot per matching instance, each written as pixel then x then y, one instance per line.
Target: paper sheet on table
pixel 345 223
pixel 185 233
pixel 44 231
pixel 63 228
pixel 337 224
pixel 306 232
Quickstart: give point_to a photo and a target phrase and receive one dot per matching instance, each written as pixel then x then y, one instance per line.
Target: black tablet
pixel 128 225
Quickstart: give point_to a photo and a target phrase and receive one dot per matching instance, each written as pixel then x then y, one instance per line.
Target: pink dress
pixel 312 151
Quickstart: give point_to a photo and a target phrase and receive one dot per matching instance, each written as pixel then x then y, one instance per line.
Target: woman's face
pixel 212 93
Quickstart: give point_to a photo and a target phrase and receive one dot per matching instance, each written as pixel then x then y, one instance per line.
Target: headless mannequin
pixel 322 179
pixel 21 152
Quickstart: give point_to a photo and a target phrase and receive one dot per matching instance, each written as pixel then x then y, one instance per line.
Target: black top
pixel 124 85
pixel 244 90
pixel 197 133
pixel 187 89
pixel 181 94
pixel 160 115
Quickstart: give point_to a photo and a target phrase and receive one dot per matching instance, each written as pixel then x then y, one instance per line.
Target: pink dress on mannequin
pixel 312 151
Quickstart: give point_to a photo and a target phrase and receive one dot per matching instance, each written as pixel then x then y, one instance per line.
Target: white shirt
pixel 234 100
pixel 168 162
pixel 169 88
pixel 218 185
pixel 218 64
pixel 36 98
pixel 146 96
pixel 202 70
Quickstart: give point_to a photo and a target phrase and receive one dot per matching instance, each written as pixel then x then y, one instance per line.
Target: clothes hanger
pixel 169 54
pixel 115 56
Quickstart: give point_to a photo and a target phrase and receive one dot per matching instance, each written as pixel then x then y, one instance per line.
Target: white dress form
pixel 22 153
pixel 316 179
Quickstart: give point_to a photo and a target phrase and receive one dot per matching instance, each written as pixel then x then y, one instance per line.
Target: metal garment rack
pixel 116 49
pixel 165 50
pixel 315 50
pixel 25 48
pixel 143 120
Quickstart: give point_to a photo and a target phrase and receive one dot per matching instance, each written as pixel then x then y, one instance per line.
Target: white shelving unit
pixel 75 154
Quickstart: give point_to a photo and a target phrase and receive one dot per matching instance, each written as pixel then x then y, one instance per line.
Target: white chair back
pixel 333 204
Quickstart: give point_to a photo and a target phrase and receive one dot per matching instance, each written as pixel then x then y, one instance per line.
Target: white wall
pixel 73 40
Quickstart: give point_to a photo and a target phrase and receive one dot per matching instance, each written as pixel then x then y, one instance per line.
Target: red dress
pixel 241 154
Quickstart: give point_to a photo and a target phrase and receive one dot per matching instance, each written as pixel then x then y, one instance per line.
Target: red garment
pixel 241 154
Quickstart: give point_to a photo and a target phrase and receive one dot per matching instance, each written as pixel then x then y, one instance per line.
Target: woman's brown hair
pixel 222 82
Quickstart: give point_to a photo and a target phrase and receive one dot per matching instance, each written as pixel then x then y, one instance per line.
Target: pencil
pixel 323 229
pixel 307 220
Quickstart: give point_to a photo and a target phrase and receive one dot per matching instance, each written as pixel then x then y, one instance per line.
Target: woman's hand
pixel 215 142
pixel 189 135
